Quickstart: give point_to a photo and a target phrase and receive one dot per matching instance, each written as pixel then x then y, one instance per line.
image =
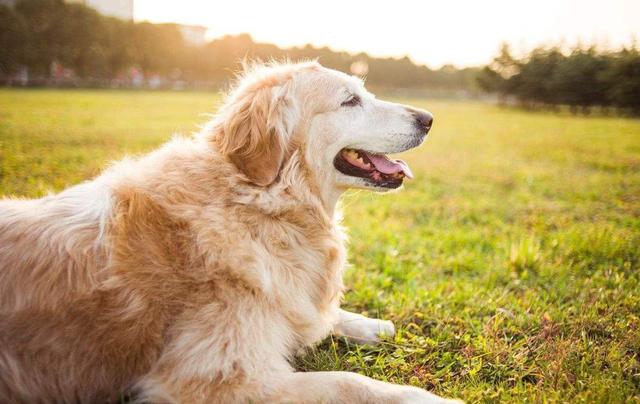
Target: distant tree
pixel 84 41
pixel 623 79
pixel 48 40
pixel 119 48
pixel 38 33
pixel 158 48
pixel 533 80
pixel 14 36
pixel 497 77
pixel 578 81
pixel 582 79
pixel 491 81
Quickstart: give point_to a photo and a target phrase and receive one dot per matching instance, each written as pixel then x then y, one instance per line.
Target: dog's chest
pixel 308 279
pixel 310 254
pixel 290 260
pixel 296 259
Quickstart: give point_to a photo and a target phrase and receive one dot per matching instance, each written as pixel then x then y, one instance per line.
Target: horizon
pixel 459 37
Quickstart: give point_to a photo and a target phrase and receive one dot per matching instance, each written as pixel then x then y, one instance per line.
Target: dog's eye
pixel 352 101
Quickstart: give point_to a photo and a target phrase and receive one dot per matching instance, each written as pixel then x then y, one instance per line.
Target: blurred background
pixel 581 54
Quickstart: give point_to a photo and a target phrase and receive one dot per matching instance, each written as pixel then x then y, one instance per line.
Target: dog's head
pixel 340 129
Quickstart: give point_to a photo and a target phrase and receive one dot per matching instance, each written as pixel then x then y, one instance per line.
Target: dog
pixel 195 273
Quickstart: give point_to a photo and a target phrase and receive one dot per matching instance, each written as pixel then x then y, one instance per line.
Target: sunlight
pixel 434 33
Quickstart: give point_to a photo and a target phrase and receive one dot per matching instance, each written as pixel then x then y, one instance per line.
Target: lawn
pixel 510 264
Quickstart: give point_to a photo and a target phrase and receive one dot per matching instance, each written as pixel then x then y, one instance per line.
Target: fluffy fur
pixel 194 273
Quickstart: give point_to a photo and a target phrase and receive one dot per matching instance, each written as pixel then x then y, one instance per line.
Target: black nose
pixel 424 120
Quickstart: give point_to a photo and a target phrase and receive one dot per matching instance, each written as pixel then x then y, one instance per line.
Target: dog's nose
pixel 424 120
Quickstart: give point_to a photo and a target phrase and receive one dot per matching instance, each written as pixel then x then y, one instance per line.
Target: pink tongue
pixel 386 166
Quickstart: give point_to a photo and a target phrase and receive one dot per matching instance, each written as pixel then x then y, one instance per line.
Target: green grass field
pixel 510 264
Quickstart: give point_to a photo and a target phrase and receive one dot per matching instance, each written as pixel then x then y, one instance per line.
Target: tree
pixel 498 77
pixel 623 79
pixel 585 78
pixel 577 79
pixel 534 77
pixel 45 20
pixel 14 37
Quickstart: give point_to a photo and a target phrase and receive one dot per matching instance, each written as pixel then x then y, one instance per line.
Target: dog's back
pixel 50 248
pixel 90 279
pixel 51 255
pixel 87 289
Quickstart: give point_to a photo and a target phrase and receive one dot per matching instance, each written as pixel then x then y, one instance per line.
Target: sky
pixel 435 33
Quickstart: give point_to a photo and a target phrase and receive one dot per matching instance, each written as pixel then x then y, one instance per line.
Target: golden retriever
pixel 195 273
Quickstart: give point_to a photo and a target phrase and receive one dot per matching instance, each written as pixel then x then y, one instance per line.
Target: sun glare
pixel 434 33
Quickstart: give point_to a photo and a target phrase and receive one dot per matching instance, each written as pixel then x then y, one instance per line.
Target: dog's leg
pixel 214 359
pixel 347 387
pixel 361 329
pixel 288 387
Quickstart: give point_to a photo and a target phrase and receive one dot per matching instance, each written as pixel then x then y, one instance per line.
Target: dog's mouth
pixel 376 168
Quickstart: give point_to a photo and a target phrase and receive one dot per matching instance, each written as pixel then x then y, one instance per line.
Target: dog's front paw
pixel 385 328
pixel 414 395
pixel 370 331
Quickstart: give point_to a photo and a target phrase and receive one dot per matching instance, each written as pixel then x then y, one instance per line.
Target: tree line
pixel 581 79
pixel 37 33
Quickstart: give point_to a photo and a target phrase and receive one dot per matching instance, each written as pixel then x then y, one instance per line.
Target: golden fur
pixel 192 274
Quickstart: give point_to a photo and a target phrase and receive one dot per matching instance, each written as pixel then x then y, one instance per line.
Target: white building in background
pixel 113 8
pixel 194 35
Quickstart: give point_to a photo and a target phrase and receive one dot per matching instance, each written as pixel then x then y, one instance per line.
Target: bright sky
pixel 430 32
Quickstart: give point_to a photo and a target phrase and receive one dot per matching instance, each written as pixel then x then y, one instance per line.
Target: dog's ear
pixel 256 130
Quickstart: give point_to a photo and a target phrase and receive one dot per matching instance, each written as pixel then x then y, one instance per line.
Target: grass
pixel 510 264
